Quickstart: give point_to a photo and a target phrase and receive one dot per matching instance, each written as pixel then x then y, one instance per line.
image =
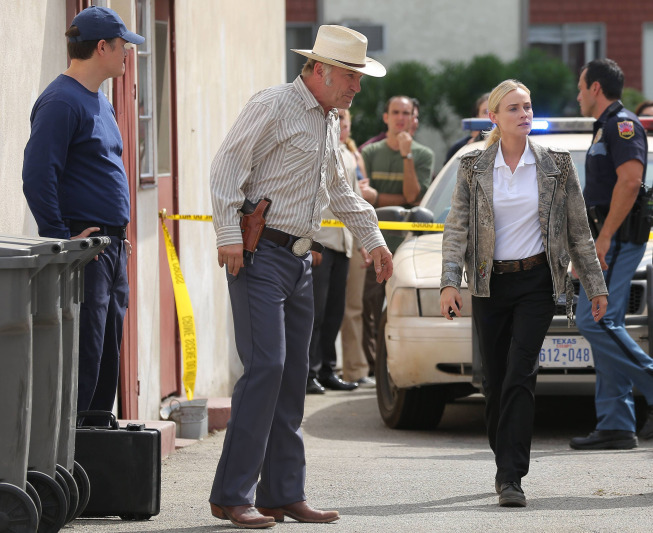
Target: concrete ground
pixel 403 481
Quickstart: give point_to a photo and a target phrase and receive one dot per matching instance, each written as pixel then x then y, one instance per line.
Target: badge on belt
pixel 301 246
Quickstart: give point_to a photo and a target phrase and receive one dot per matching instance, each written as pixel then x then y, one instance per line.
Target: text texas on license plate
pixel 566 352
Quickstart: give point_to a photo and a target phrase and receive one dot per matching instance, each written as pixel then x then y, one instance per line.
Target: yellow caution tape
pixel 184 312
pixel 383 224
pixel 182 298
pixel 201 218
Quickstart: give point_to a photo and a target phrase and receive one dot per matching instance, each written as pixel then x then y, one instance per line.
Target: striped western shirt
pixel 282 147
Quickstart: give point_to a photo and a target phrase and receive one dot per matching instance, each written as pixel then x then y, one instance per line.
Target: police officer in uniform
pixel 615 169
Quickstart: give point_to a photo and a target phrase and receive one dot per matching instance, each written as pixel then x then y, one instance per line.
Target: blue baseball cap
pixel 95 23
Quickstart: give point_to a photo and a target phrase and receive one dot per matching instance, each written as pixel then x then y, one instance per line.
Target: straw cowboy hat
pixel 345 48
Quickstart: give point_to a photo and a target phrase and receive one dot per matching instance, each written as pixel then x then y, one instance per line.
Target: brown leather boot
pixel 301 512
pixel 245 516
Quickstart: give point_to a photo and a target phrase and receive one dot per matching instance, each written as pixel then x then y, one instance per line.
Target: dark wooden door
pixel 166 140
pixel 124 100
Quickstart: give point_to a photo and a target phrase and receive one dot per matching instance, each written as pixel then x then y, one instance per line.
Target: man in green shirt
pixel 399 171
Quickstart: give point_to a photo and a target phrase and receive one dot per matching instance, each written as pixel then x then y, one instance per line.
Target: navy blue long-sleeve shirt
pixel 73 167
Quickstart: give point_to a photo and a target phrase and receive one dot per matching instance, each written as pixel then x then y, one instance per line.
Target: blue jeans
pixel 101 316
pixel 619 361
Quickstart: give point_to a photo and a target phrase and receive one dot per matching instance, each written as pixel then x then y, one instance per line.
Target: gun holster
pixel 595 217
pixel 252 222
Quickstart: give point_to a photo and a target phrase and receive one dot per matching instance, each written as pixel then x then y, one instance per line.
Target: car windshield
pixel 439 202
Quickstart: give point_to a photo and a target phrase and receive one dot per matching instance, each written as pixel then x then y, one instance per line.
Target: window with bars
pixel 574 44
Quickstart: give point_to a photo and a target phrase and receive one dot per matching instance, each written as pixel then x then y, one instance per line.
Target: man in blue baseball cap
pixel 76 186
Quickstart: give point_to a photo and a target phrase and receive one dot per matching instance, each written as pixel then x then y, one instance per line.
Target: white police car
pixel 423 360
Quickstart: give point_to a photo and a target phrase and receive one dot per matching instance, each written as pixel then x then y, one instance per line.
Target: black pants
pixel 511 325
pixel 329 289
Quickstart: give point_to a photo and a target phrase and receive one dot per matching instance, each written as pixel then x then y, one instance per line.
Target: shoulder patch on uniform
pixel 626 129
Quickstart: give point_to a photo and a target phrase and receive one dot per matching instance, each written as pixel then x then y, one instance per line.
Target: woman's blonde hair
pixel 349 142
pixel 494 100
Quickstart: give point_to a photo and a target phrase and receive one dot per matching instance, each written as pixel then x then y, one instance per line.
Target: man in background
pixel 399 171
pixel 615 169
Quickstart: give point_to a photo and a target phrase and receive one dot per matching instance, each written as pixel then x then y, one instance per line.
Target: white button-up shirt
pixel 516 217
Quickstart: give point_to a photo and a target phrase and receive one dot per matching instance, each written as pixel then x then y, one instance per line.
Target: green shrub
pixel 456 85
pixel 410 78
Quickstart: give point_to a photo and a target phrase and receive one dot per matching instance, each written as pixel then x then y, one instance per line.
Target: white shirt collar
pixel 527 158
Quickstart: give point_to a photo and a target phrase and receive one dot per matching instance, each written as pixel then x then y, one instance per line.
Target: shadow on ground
pixel 358 419
pixel 487 502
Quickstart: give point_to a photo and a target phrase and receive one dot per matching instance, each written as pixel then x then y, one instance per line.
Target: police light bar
pixel 540 125
pixel 647 122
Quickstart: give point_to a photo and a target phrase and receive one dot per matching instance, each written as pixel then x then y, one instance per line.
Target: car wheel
pixel 416 408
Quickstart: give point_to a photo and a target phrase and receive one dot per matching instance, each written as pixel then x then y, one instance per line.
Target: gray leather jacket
pixel 469 229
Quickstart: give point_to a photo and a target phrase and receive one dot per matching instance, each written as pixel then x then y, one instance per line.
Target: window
pixel 647 60
pixel 163 104
pixel 374 33
pixel 574 44
pixel 299 37
pixel 146 146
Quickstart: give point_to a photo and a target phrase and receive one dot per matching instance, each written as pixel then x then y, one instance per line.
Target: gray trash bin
pixel 18 265
pixel 55 334
pixel 71 297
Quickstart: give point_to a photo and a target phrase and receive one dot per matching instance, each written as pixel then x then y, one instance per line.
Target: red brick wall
pixel 301 10
pixel 623 23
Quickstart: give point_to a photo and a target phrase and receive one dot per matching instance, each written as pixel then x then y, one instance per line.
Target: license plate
pixel 566 352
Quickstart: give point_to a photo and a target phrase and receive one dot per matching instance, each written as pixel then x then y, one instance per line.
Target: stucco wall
pixel 225 53
pixel 33 54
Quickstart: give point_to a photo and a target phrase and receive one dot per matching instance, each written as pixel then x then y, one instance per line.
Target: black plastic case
pixel 123 467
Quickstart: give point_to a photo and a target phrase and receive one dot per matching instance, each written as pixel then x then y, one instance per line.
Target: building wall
pixel 624 23
pixel 225 53
pixel 433 30
pixel 34 53
pixel 301 10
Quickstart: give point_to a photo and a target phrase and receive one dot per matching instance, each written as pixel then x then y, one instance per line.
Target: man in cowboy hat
pixel 283 146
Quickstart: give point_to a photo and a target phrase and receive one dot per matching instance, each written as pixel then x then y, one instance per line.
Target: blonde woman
pixel 355 366
pixel 517 218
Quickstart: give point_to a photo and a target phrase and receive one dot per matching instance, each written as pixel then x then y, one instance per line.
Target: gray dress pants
pixel 263 453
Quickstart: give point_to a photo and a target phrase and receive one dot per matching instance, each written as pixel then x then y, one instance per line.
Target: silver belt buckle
pixel 301 246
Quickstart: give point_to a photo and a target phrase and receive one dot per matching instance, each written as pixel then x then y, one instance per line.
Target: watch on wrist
pixel 409 155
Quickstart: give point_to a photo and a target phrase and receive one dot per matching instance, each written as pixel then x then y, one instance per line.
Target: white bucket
pixel 191 418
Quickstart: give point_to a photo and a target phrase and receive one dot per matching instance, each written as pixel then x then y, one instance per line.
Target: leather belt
pixel 77 226
pixel 299 246
pixel 507 267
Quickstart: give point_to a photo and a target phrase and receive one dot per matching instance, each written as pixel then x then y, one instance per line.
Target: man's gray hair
pixel 308 67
